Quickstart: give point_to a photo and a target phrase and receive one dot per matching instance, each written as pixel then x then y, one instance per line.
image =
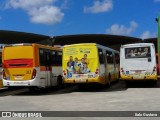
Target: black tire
pixel 59 82
pixel 108 81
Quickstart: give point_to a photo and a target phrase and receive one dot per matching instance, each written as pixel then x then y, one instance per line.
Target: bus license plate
pixel 138 77
pixel 20 82
pixel 80 80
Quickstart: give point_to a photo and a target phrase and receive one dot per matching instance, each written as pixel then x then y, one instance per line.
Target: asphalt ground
pixel 133 96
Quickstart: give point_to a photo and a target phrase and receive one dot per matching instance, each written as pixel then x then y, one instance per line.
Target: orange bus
pixel 33 65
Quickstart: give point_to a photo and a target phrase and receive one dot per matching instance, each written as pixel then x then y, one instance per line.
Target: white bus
pixel 138 62
pixel 89 63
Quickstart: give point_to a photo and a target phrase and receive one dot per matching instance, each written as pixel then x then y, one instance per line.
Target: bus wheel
pixel 108 81
pixel 59 82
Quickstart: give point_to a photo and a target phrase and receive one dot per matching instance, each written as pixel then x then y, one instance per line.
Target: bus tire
pixel 109 80
pixel 59 82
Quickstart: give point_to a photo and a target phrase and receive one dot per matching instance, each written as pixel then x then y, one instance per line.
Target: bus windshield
pixel 137 52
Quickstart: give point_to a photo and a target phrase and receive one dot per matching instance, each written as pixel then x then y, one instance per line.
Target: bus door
pixel 48 67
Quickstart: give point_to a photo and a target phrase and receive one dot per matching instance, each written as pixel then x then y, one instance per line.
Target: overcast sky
pixel 62 17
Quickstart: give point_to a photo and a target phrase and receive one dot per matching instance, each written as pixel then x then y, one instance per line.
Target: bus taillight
pixel 122 70
pixel 4 75
pixel 96 71
pixel 64 72
pixel 154 69
pixel 34 73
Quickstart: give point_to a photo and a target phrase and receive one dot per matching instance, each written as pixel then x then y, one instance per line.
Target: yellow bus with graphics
pixel 89 63
pixel 33 65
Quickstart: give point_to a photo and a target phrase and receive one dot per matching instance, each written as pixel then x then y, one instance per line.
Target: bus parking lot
pixel 136 96
pixel 118 97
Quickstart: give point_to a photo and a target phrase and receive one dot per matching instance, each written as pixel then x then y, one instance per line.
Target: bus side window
pixel 54 58
pixel 117 58
pixel 109 57
pixel 48 58
pixel 101 59
pixel 59 58
pixel 41 57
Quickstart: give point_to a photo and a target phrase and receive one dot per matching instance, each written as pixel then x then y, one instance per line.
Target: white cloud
pixel 156 0
pixel 147 34
pixel 117 29
pixel 40 11
pixel 65 4
pixel 99 6
pixel 46 15
pixel 27 4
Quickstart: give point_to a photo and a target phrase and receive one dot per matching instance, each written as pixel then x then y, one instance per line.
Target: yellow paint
pixel 19 73
pixel 146 77
pixel 18 52
pixel 78 51
pixel 100 80
pixel 1 84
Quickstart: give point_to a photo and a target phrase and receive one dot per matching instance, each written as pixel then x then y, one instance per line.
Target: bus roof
pixel 137 44
pixel 92 44
pixel 30 44
pixel 79 44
